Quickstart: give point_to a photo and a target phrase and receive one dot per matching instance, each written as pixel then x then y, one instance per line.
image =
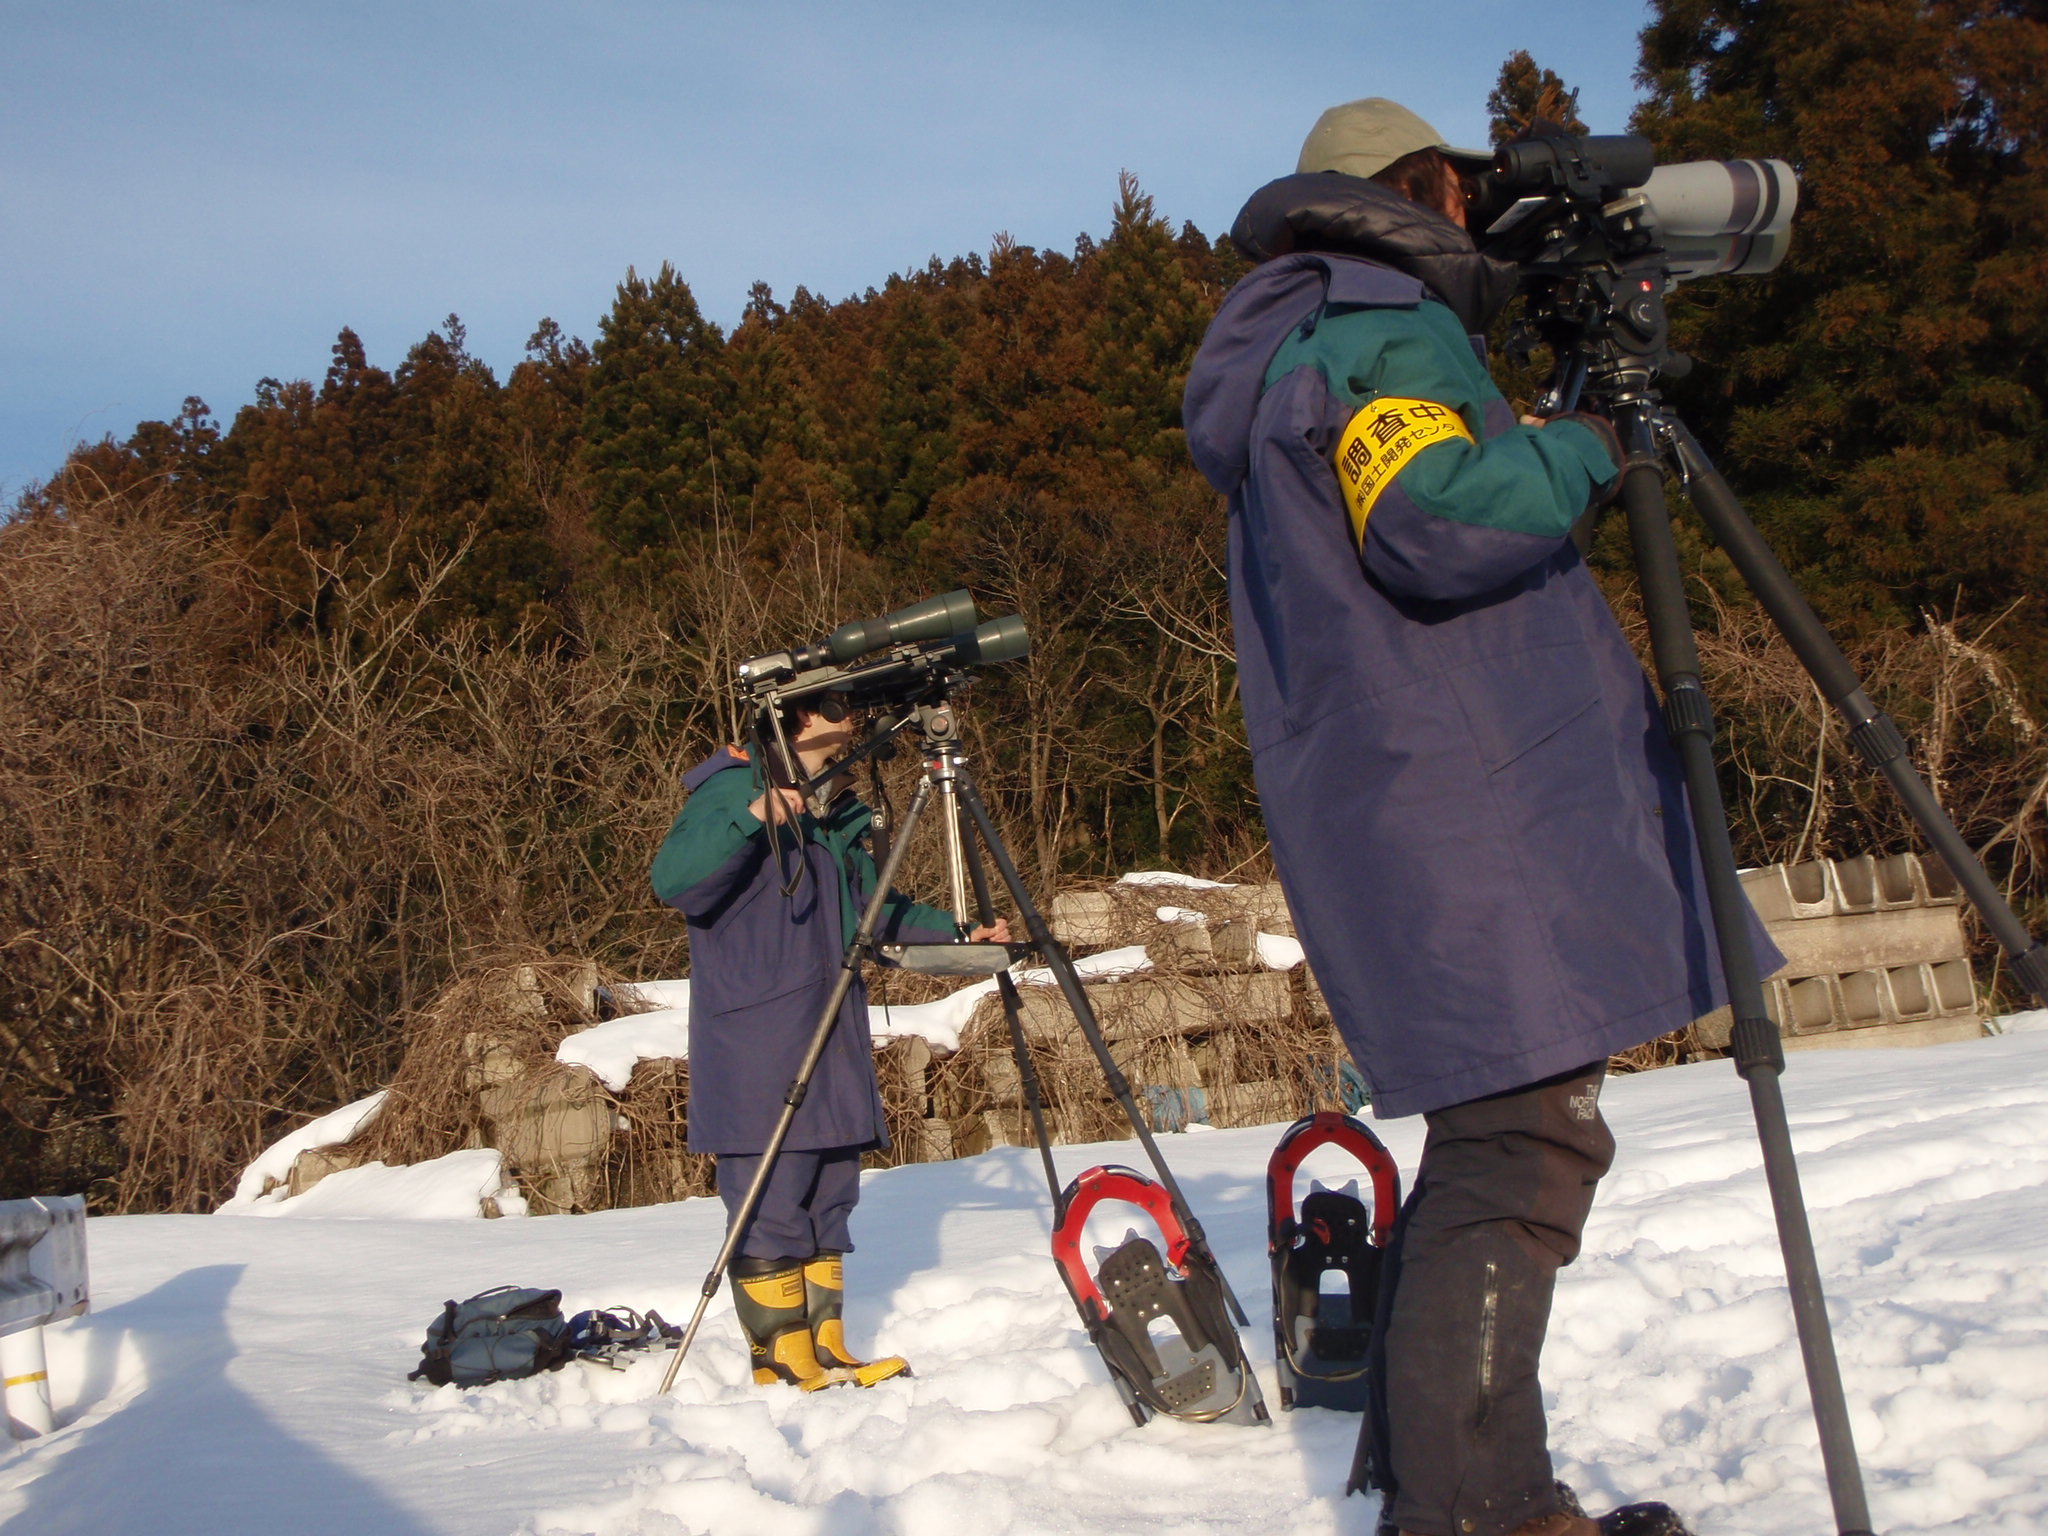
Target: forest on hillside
pixel 398 671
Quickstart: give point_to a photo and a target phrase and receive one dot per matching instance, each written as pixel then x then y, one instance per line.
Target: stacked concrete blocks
pixel 1875 954
pixel 1204 1033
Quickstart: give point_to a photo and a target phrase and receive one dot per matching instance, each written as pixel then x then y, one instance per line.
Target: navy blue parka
pixel 1472 805
pixel 762 965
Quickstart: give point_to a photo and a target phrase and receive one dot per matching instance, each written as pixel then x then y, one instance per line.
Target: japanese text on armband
pixel 1381 439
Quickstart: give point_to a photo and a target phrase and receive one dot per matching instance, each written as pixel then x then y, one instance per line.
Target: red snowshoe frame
pixel 1200 1374
pixel 1320 1343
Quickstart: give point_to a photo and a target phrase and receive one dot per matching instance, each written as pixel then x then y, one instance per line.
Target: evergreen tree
pixel 1526 91
pixel 656 442
pixel 1152 316
pixel 1878 400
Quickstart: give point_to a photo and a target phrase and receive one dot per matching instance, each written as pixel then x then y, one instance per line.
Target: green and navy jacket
pixel 762 964
pixel 1471 801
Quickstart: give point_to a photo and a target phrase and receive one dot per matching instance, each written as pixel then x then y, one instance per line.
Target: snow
pixel 1277 952
pixel 941 1022
pixel 439 1189
pixel 244 1378
pixel 1168 877
pixel 614 1048
pixel 2033 1021
pixel 329 1130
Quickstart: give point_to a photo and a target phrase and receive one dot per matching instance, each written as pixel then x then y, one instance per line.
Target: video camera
pixel 1601 233
pixel 903 657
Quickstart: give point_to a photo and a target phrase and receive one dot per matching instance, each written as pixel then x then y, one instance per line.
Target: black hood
pixel 1328 211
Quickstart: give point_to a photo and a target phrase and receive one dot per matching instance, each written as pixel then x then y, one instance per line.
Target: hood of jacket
pixel 1346 215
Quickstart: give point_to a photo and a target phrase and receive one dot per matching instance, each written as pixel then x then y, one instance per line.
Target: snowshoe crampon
pixel 1321 1335
pixel 1160 1320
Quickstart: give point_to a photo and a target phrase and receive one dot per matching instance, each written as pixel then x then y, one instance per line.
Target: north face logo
pixel 1585 1105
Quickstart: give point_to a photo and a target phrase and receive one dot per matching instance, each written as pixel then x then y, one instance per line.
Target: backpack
pixel 503 1333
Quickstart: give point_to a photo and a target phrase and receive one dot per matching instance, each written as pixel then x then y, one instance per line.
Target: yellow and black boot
pixel 769 1295
pixel 825 1292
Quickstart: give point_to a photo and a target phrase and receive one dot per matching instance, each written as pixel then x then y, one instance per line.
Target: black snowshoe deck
pixel 1321 1337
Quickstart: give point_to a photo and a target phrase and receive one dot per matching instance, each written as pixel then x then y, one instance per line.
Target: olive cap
pixel 1363 138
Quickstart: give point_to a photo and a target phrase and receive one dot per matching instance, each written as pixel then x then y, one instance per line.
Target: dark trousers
pixel 1499 1204
pixel 805 1208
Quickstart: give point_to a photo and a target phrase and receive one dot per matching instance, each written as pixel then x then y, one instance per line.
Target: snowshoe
pixel 1193 1369
pixel 610 1335
pixel 1321 1337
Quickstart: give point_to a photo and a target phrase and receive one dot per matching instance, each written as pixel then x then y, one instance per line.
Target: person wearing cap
pixel 1472 805
pixel 773 892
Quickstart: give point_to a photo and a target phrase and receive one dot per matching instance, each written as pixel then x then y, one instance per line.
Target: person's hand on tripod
pixel 997 932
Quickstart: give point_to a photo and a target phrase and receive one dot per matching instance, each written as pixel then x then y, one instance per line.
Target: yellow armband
pixel 1381 439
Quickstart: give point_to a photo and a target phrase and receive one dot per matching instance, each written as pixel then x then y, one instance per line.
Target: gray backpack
pixel 507 1332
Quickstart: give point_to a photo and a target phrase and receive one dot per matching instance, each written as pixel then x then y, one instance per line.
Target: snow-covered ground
pixel 248 1376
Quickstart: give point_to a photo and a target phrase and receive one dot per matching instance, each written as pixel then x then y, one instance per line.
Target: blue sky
pixel 197 195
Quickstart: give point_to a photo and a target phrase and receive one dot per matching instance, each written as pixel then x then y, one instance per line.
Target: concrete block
pixel 1173 945
pixel 1955 989
pixel 1265 907
pixel 1782 892
pixel 1263 997
pixel 1085 919
pixel 564 1121
pixel 1856 941
pixel 1938 1031
pixel 976 1134
pixel 314 1164
pixel 936 1144
pixel 1235 943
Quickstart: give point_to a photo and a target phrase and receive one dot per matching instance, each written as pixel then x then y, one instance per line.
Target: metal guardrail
pixel 42 1279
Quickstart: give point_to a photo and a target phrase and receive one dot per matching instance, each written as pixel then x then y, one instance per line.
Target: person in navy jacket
pixel 765 951
pixel 1472 805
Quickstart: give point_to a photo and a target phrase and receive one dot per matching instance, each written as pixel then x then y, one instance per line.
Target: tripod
pixel 1614 354
pixel 968 829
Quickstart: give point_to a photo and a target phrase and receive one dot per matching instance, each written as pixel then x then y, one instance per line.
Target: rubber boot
pixel 769 1295
pixel 825 1296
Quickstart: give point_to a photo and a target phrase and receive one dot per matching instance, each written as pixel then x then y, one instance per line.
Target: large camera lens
pixel 1722 215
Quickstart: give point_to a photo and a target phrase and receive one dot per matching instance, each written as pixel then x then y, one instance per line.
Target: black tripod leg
pixel 1759 1053
pixel 849 970
pixel 1871 731
pixel 1091 1029
pixel 1013 1010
